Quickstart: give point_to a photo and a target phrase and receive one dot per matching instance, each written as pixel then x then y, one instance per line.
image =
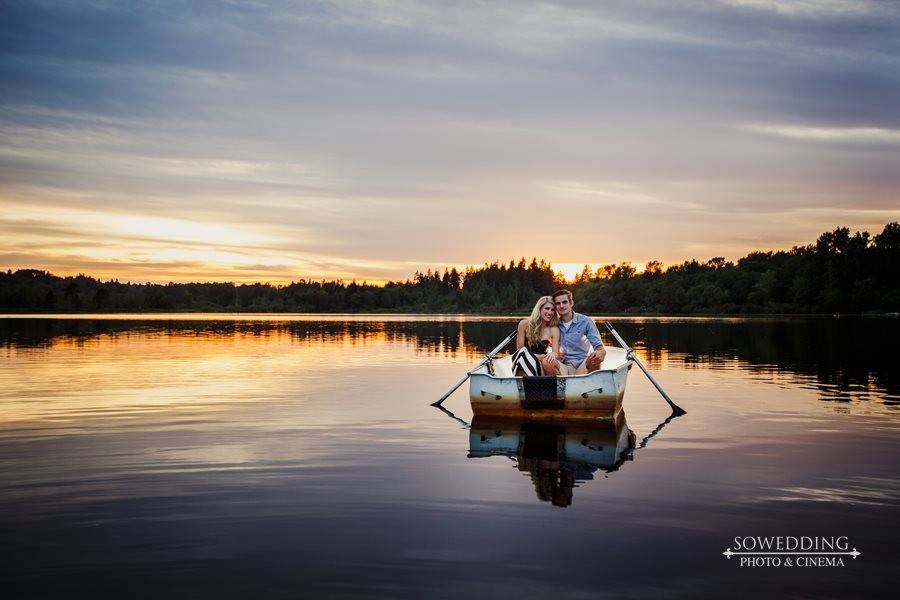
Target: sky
pixel 273 141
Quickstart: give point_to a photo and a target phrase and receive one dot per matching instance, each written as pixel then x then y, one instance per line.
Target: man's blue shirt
pixel 572 339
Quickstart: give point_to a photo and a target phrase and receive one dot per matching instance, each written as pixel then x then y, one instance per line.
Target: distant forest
pixel 840 272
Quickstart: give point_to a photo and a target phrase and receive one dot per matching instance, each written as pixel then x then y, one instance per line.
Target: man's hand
pixel 549 364
pixel 595 359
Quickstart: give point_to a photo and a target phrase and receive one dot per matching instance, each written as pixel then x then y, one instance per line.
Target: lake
pixel 297 456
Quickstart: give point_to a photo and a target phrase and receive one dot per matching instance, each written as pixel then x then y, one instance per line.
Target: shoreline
pixel 230 315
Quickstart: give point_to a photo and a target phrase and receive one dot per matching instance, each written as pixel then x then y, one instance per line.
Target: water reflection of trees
pixel 845 352
pixel 427 336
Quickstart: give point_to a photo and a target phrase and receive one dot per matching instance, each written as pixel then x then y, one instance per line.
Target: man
pixel 573 329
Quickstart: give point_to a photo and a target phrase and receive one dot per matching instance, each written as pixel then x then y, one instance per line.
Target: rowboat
pixel 495 390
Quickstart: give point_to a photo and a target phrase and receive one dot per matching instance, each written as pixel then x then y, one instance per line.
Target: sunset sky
pixel 269 141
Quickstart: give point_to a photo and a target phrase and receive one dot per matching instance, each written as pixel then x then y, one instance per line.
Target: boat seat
pixel 503 367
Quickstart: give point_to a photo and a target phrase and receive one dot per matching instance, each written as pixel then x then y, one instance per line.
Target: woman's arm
pixel 550 360
pixel 520 334
pixel 554 340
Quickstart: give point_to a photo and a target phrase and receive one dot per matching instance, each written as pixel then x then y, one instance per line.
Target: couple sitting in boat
pixel 554 340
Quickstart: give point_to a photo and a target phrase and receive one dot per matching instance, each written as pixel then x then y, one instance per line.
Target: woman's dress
pixel 526 359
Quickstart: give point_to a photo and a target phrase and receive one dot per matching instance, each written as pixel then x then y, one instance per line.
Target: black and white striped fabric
pixel 525 360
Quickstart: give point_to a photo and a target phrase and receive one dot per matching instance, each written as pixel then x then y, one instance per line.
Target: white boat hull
pixel 594 395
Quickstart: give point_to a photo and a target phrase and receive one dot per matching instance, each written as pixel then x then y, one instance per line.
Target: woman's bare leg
pixel 549 367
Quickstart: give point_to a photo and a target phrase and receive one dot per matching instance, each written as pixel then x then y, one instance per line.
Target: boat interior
pixel 502 367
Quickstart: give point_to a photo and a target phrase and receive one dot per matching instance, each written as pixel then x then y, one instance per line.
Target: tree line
pixel 840 272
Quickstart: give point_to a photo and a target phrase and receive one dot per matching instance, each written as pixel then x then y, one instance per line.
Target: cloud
pixel 866 135
pixel 811 7
pixel 383 136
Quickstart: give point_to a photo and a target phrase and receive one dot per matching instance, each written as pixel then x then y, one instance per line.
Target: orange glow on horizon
pixel 570 271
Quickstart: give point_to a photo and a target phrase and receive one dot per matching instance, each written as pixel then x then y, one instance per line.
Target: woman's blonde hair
pixel 536 324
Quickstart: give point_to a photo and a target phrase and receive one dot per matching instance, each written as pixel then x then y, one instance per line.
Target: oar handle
pixel 619 339
pixel 486 358
pixel 501 345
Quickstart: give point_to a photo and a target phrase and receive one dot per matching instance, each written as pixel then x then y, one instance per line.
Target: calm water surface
pixel 297 456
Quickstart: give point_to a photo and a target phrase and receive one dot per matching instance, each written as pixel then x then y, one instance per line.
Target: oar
pixel 466 424
pixel 676 410
pixel 487 357
pixel 659 428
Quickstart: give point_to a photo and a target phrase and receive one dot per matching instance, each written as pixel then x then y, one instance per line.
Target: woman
pixel 537 341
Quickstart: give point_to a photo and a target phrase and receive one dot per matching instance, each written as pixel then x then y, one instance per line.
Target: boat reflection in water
pixel 556 455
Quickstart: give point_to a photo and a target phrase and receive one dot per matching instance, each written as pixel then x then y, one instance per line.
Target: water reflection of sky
pixel 211 456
